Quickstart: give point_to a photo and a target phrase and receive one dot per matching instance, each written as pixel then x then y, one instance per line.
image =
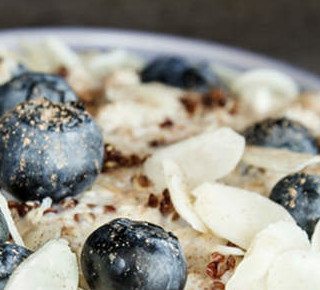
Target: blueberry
pixel 48 150
pixel 27 86
pixel 10 257
pixel 283 134
pixel 126 254
pixel 177 72
pixel 299 193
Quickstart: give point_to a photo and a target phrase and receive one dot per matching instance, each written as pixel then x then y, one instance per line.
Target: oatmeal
pixel 177 179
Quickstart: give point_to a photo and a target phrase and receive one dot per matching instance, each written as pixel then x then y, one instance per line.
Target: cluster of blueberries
pixel 53 148
pixel 282 133
pixel 30 146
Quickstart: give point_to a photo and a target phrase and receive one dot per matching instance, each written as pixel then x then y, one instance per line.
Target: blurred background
pixel 284 29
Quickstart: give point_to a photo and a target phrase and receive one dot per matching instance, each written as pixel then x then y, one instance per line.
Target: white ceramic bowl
pixel 151 44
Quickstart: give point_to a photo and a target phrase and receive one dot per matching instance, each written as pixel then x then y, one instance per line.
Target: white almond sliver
pixel 278 83
pixel 52 267
pixel 60 53
pixel 277 159
pixel 227 250
pixel 36 57
pixel 180 197
pixel 11 225
pixel 203 158
pixel 295 270
pixel 315 240
pixel 277 238
pixel 102 64
pixel 236 214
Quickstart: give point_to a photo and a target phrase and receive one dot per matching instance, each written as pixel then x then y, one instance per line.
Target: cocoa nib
pixel 153 200
pixel 166 205
pixel 219 265
pixel 215 98
pixel 141 180
pixel 114 159
pixel 217 285
pixel 175 216
pixel 50 210
pixel 109 208
pixel 62 71
pixel 166 124
pixel 22 208
pixel 190 104
pixel 157 143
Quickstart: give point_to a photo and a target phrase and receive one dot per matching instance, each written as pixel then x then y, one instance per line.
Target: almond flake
pixel 277 238
pixel 180 197
pixel 11 225
pixel 278 160
pixel 278 83
pixel 315 240
pixel 295 270
pixel 236 214
pixel 51 267
pixel 203 158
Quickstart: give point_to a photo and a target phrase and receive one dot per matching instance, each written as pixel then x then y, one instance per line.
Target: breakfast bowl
pixel 133 160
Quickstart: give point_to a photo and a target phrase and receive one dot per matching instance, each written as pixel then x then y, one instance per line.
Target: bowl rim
pixel 152 43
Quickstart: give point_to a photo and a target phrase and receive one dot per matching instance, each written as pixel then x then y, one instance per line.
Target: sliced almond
pixel 52 267
pixel 278 160
pixel 203 158
pixel 11 225
pixel 226 250
pixel 277 238
pixel 236 214
pixel 315 240
pixel 122 77
pixel 102 64
pixel 60 53
pixel 181 199
pixel 295 270
pixel 36 57
pixel 278 83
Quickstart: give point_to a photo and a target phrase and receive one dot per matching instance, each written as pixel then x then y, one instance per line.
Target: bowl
pixel 150 44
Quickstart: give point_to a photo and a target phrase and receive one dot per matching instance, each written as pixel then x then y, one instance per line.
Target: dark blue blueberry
pixel 10 257
pixel 127 255
pixel 299 193
pixel 177 72
pixel 28 86
pixel 283 134
pixel 48 150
